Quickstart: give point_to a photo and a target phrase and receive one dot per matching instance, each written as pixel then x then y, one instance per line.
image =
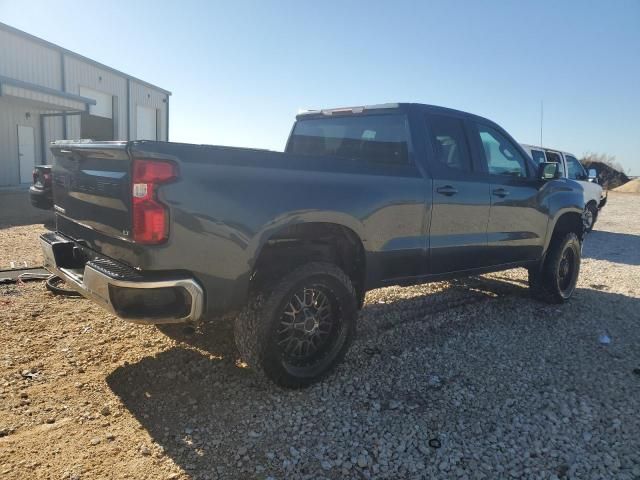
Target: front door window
pixel 502 157
pixel 575 170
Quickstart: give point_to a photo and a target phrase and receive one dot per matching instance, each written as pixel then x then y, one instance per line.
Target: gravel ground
pixel 19 247
pixel 466 379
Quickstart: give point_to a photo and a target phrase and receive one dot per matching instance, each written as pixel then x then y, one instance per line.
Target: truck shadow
pixel 17 209
pixel 206 411
pixel 623 248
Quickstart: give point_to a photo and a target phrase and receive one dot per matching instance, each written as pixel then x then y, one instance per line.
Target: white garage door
pixel 146 127
pixel 104 102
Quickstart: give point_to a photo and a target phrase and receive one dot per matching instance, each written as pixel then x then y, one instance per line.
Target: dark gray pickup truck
pixel 361 198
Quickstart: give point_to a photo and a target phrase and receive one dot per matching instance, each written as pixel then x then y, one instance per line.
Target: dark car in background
pixel 41 193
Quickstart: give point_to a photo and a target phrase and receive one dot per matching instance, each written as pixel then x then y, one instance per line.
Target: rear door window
pixel 370 138
pixel 449 140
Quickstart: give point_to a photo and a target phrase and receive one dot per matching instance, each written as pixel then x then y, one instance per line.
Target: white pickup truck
pixel 570 167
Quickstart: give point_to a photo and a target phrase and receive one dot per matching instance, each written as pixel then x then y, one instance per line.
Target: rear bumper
pixel 122 290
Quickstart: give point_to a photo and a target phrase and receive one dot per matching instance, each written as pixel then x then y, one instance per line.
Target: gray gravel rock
pixel 511 387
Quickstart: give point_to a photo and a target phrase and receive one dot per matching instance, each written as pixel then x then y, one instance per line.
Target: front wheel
pixel 300 330
pixel 589 217
pixel 556 280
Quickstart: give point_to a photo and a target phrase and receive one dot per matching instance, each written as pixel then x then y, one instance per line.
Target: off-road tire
pixel 256 327
pixel 546 282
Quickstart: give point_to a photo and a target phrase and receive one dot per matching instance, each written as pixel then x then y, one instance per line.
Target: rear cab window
pixel 370 138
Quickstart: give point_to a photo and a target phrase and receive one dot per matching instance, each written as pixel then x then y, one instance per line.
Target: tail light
pixel 150 216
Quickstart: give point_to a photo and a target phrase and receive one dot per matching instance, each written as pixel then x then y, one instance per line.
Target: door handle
pixel 447 190
pixel 500 192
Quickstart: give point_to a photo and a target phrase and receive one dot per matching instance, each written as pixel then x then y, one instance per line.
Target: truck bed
pixel 224 204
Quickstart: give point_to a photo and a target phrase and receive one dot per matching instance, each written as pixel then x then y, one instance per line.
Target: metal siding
pixel 73 127
pixel 148 97
pixel 57 48
pixel 80 74
pixel 25 60
pixel 35 61
pixel 53 131
pixel 12 114
pixel 24 93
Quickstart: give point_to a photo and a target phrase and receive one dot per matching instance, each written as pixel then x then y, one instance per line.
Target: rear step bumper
pixel 122 290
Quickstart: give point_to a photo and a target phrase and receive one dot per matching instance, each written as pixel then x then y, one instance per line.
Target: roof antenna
pixel 541 117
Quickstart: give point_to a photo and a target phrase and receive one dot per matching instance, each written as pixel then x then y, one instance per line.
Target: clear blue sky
pixel 240 70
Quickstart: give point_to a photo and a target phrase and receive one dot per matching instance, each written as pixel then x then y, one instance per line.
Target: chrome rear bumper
pixel 98 279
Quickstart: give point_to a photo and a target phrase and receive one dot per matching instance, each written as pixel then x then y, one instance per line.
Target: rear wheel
pixel 298 331
pixel 556 280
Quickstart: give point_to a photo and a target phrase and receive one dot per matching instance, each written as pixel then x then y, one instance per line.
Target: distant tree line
pixel 610 173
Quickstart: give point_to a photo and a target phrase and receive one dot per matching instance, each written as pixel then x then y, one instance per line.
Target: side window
pixel 450 144
pixel 371 138
pixel 575 169
pixel 555 158
pixel 503 158
pixel 538 156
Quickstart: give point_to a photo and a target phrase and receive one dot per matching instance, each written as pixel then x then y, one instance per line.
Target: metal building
pixel 49 93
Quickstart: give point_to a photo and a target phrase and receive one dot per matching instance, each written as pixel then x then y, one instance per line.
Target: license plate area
pixel 68 255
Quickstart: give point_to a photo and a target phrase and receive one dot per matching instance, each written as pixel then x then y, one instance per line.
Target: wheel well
pixel 569 222
pixel 310 242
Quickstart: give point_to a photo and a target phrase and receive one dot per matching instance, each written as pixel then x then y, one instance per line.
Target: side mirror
pixel 593 175
pixel 548 171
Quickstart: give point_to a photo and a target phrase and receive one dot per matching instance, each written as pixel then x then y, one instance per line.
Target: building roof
pixel 70 53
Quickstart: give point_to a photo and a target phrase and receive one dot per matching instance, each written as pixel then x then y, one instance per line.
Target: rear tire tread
pixel 542 281
pixel 251 326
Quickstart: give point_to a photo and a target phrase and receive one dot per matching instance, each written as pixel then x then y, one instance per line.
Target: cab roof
pixel 386 107
pixel 546 149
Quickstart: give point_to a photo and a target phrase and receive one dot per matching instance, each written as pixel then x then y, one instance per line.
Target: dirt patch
pixel 19 246
pixel 632 186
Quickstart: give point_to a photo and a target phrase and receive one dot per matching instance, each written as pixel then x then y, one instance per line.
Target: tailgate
pixel 92 186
